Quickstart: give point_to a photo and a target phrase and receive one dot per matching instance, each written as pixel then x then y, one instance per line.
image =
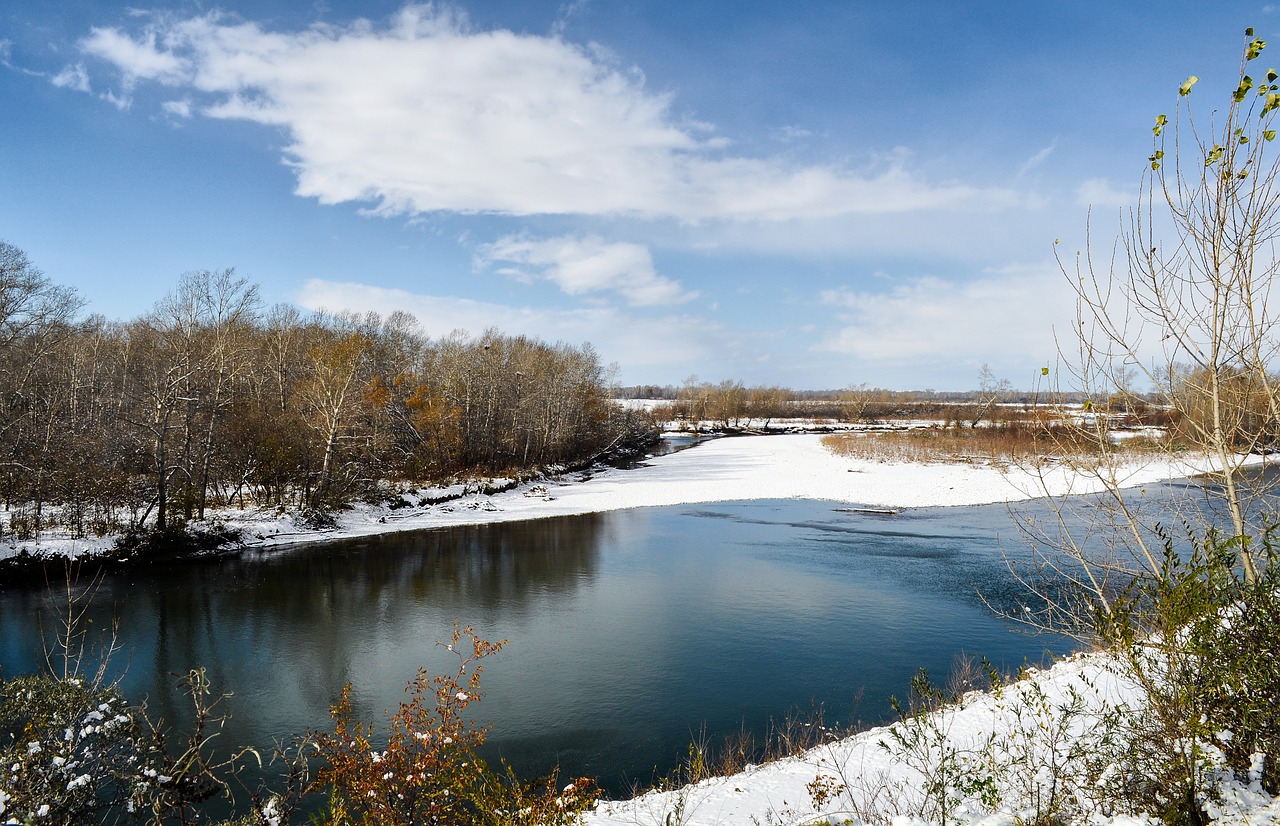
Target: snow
pixel 788 466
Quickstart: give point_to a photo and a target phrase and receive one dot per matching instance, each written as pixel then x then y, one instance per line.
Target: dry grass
pixel 1005 443
pixel 799 732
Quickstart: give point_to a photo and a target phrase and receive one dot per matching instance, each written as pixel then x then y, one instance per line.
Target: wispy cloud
pixel 73 77
pixel 566 13
pixel 1099 192
pixel 426 113
pixel 791 133
pixel 177 108
pixel 1005 317
pixel 582 265
pixel 138 58
pixel 1036 159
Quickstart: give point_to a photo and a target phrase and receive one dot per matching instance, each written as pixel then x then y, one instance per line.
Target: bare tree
pixel 210 315
pixel 992 392
pixel 35 317
pixel 1188 302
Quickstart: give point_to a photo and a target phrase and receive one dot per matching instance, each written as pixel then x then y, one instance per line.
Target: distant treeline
pixel 666 392
pixel 210 399
pixel 731 404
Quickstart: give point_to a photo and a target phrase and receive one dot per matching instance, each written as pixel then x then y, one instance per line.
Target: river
pixel 630 633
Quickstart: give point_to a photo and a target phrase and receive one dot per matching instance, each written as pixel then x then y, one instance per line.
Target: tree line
pixel 210 399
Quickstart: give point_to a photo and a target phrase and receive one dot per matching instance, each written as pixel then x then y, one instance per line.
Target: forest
pixel 210 399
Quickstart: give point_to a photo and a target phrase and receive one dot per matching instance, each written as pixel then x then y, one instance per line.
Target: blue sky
pixel 810 194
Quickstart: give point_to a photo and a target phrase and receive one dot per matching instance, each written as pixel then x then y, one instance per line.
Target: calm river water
pixel 628 631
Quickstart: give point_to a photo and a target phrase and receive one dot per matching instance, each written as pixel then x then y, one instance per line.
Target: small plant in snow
pixel 949 775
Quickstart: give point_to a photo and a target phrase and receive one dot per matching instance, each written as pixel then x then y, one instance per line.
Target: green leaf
pixel 1214 155
pixel 1272 75
pixel 1161 120
pixel 1044 371
pixel 1246 83
pixel 1185 88
pixel 1270 134
pixel 1255 48
pixel 1248 32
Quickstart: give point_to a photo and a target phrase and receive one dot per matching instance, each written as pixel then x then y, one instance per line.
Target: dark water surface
pixel 628 631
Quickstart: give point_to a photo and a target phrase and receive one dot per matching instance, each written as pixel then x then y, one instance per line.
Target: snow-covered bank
pixel 793 466
pixel 864 776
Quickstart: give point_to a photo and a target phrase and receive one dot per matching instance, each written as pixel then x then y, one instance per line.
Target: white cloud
pixel 72 77
pixel 1099 192
pixel 1008 316
pixel 644 346
pixel 137 58
pixel 1036 159
pixel 177 108
pixel 427 114
pixel 791 133
pixel 587 265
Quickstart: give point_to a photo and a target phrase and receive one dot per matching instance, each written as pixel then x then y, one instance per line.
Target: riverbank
pixel 1018 750
pixel 789 466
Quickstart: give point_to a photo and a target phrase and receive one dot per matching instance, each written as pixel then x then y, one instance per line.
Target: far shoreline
pixel 718 468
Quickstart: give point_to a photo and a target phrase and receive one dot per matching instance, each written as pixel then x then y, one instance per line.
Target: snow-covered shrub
pixel 315 519
pixel 73 751
pixel 1201 642
pixel 68 750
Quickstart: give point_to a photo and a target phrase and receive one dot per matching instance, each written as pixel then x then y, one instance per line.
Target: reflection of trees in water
pixel 300 619
pixel 315 608
pixel 493 569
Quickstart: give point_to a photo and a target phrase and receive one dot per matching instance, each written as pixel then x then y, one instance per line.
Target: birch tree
pixel 330 394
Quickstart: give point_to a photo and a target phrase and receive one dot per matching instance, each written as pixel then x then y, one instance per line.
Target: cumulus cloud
pixel 1007 316
pixel 643 345
pixel 426 113
pixel 586 265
